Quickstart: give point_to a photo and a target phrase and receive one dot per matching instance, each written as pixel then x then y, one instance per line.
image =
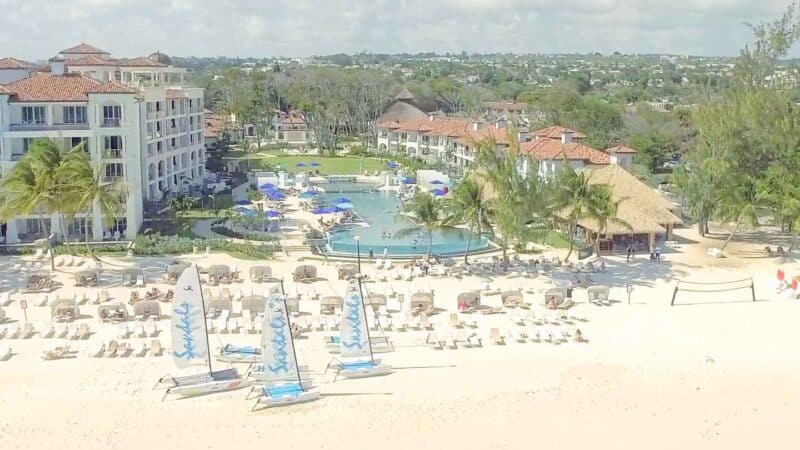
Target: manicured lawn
pixel 340 165
pixel 550 237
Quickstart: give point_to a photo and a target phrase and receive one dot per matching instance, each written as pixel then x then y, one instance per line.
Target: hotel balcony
pixel 110 122
pixel 48 127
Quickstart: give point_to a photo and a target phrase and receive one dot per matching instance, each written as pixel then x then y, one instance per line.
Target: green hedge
pixel 247 236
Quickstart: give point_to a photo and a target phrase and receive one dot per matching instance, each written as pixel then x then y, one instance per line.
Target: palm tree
pixel 425 212
pixel 87 190
pixel 580 200
pixel 469 205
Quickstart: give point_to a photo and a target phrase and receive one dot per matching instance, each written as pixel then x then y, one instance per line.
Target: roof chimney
pixel 566 136
pixel 57 65
pixel 475 126
pixel 430 117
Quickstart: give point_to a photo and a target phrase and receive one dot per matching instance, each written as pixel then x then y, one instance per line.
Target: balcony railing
pixel 112 178
pixel 111 122
pixel 46 127
pixel 111 153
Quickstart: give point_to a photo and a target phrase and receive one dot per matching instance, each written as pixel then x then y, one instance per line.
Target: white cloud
pixel 314 27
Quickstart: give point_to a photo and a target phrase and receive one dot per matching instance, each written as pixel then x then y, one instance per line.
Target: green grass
pixel 329 165
pixel 550 237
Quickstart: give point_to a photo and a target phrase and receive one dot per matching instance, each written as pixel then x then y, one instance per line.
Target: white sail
pixel 277 348
pixel 354 334
pixel 189 339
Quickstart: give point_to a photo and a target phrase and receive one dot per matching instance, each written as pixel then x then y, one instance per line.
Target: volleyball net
pixel 716 292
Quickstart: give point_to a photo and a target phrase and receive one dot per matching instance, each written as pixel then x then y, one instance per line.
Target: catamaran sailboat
pixel 190 343
pixel 285 384
pixel 355 341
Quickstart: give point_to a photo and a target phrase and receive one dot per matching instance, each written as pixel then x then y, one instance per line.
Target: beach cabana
pixel 254 303
pixel 87 277
pixel 39 281
pixel 219 303
pixel 260 274
pixel 347 271
pixel 376 300
pixel 512 299
pixel 555 297
pixel 305 273
pixel 174 270
pixel 597 293
pixel 147 308
pixel 64 310
pixel 132 275
pixel 113 312
pixel 219 273
pixel 469 300
pixel 330 303
pixel 422 302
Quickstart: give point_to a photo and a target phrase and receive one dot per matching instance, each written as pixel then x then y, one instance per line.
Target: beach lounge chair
pixel 124 350
pixel 434 341
pixel 55 353
pixel 47 331
pixel 474 340
pixel 516 334
pixel 138 330
pixel 557 336
pixel 455 322
pixel 150 328
pixel 14 332
pixel 385 323
pixel 139 349
pixel 83 332
pixel 123 331
pixel 96 349
pixel 495 337
pixel 155 348
pixel 5 353
pixel 111 349
pixel 61 331
pixel 41 301
pixel 27 331
pixel 460 337
pixel 3 332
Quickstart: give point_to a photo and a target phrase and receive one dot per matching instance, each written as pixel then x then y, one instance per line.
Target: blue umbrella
pixel 243 202
pixel 391 165
pixel 327 210
pixel 268 186
pixel 409 181
pixel 273 213
pixel 299 165
pixel 437 182
pixel 345 206
pixel 342 200
pixel 314 164
pixel 438 192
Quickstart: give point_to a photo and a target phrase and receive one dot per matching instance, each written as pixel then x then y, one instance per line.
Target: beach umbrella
pixel 409 181
pixel 314 164
pixel 437 182
pixel 342 200
pixel 300 165
pixel 345 206
pixel 243 202
pixel 272 213
pixel 267 186
pixel 391 165
pixel 326 210
pixel 438 192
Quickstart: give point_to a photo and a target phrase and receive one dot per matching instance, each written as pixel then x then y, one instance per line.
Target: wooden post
pixel 753 289
pixel 674 294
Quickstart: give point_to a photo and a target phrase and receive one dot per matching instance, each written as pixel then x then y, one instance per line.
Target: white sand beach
pixel 718 373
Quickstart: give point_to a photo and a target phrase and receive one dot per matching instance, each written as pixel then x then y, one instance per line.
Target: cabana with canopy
pixel 112 312
pixel 147 308
pixel 469 301
pixel 305 273
pixel 219 273
pixel 422 302
pixel 219 303
pixel 64 310
pixel 376 300
pixel 260 274
pixel 175 269
pixel 347 271
pixel 597 293
pixel 131 275
pixel 555 297
pixel 39 281
pixel 329 304
pixel 254 303
pixel 513 299
pixel 87 277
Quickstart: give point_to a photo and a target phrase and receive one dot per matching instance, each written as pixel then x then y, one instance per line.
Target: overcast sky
pixel 38 29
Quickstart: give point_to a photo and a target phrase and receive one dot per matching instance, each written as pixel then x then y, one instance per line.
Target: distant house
pixel 12 69
pixel 292 129
pixel 218 128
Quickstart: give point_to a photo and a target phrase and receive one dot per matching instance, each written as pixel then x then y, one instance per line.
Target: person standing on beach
pixel 628 252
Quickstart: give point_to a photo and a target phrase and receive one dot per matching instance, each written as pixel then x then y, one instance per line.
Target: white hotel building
pixel 140 124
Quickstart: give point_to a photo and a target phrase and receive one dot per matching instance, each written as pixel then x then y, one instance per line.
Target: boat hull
pixel 304 397
pixel 211 387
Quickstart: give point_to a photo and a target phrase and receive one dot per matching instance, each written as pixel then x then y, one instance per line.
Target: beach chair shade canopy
pixel 107 309
pixel 260 273
pixel 423 300
pixel 511 298
pixel 346 271
pixel 219 270
pixel 305 271
pixel 376 300
pixel 558 295
pixel 218 303
pixel 64 306
pixel 254 303
pixel 469 299
pixel 176 269
pixel 147 308
pixel 597 292
pixel 332 301
pixel 132 273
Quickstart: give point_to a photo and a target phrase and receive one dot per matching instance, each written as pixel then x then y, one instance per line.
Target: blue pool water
pixel 379 209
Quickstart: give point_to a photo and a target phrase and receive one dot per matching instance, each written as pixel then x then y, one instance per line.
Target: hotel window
pixel 33 115
pixel 112 115
pixel 26 144
pixel 113 146
pixel 74 114
pixel 114 170
pixel 76 141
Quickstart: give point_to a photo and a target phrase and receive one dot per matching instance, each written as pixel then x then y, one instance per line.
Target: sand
pixel 718 371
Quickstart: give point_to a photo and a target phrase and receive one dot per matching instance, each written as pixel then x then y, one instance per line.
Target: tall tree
pixel 470 205
pixel 425 212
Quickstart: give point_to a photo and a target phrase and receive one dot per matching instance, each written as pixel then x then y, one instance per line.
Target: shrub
pixel 225 231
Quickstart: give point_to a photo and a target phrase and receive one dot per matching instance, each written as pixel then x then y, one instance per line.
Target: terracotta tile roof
pixel 111 87
pixel 16 64
pixel 460 128
pixel 555 132
pixel 176 93
pixel 620 149
pixel 552 149
pixel 138 62
pixel 91 60
pixel 83 49
pixel 46 87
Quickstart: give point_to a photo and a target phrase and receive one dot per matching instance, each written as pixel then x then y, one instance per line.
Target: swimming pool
pixel 379 209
